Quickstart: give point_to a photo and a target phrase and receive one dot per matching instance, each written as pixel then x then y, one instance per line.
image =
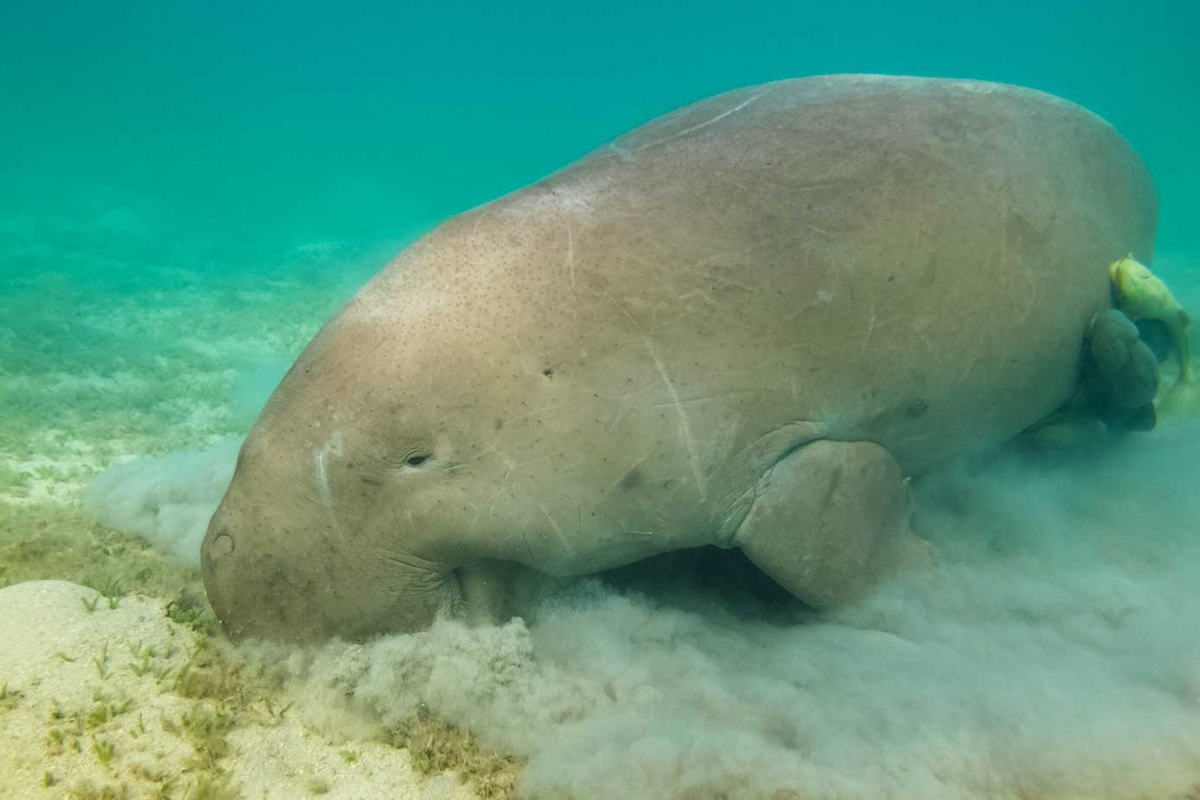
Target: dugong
pixel 744 324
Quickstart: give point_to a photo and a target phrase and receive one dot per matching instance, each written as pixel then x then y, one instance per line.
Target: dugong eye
pixel 408 459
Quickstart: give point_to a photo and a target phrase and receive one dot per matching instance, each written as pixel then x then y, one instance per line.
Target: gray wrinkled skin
pixel 615 361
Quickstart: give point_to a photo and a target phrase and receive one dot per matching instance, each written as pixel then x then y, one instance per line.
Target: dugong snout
pixel 247 608
pixel 261 584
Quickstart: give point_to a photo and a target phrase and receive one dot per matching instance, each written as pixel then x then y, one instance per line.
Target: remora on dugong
pixel 743 324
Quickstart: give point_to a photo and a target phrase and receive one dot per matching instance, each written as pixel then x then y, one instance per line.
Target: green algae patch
pixel 85 714
pixel 435 746
pixel 44 541
pixel 212 690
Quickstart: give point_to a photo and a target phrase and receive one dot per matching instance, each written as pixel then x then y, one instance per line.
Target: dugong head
pixel 379 462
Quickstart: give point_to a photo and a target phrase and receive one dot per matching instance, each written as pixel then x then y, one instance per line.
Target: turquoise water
pixel 188 190
pixel 254 124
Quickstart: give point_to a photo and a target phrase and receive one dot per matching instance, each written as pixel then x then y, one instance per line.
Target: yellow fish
pixel 1141 294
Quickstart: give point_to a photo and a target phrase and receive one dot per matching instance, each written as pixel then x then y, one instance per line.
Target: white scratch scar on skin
pixel 333 447
pixel 701 125
pixel 685 427
pixel 566 544
pixel 571 261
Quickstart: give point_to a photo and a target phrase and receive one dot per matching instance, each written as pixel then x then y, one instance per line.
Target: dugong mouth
pixel 265 589
pixel 251 592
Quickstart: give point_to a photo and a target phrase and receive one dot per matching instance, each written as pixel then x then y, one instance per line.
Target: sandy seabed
pixel 93 708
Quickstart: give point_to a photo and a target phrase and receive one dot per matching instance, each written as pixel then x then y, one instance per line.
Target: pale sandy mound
pixel 92 706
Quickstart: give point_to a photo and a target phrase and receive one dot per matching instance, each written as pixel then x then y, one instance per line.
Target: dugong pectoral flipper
pixel 828 518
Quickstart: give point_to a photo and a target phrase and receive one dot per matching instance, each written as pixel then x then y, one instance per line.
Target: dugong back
pixel 908 261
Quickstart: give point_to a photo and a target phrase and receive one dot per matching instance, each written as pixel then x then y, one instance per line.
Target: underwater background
pixel 188 190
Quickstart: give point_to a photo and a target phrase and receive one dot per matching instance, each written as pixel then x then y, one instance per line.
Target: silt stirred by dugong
pixel 744 324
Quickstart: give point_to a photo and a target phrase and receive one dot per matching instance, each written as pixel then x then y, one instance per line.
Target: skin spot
pixel 916 408
pixel 632 479
pixel 549 373
pixel 498 424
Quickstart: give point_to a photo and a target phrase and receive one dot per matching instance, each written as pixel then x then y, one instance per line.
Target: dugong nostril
pixel 222 545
